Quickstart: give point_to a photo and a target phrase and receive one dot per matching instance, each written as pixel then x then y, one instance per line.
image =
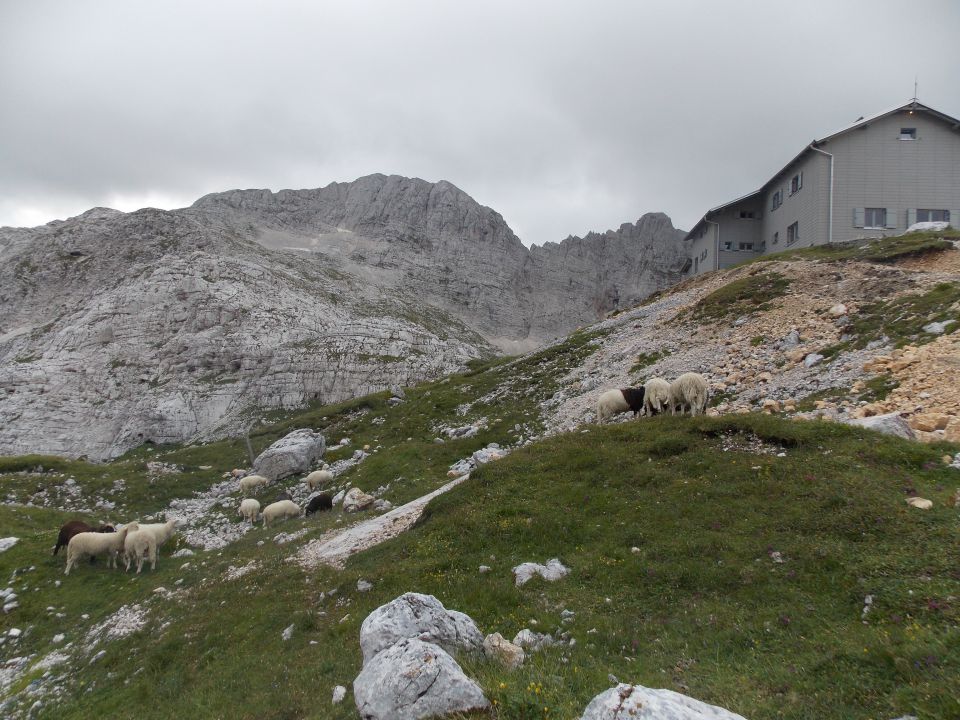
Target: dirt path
pixel 337 545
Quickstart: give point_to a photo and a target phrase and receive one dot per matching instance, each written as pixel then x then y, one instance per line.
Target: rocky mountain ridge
pixel 162 326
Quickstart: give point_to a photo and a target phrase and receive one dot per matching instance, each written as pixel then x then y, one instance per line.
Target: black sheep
pixel 323 501
pixel 634 398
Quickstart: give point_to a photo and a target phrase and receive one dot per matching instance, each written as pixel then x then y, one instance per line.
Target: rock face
pixel 164 326
pixel 414 679
pixel 635 702
pixel 296 452
pixel 413 615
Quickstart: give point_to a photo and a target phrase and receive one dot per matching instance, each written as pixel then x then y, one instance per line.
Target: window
pixel 874 217
pixel 933 216
pixel 746 246
pixel 908 133
pixel 728 245
pixel 793 233
pixel 776 238
pixel 747 215
pixel 777 199
pixel 796 182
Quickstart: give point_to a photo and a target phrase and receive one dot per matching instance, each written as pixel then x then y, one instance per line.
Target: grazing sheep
pixel 251 482
pixel 140 544
pixel 323 501
pixel 318 478
pixel 689 391
pixel 249 508
pixel 75 527
pixel 281 510
pixel 161 533
pixel 657 396
pixel 613 402
pixel 94 543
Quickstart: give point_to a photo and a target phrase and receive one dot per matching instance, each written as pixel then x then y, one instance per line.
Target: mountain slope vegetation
pixel 766 564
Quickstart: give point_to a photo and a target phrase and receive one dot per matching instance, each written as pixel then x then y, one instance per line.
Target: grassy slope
pixel 701 608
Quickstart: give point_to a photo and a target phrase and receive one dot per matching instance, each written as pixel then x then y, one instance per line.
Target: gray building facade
pixel 873 178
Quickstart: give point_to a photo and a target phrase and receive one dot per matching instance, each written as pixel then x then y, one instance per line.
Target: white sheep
pixel 161 532
pixel 281 510
pixel 689 391
pixel 656 399
pixel 251 482
pixel 318 478
pixel 249 508
pixel 94 543
pixel 140 544
pixel 612 402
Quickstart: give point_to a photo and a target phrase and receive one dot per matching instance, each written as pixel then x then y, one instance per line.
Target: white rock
pixel 14 632
pixel 838 310
pixel 413 615
pixel 339 693
pixel 357 500
pixel 552 571
pixel 288 632
pixel 890 424
pixel 635 702
pixel 497 648
pixel 533 641
pixel 920 503
pixel 8 542
pixel 484 569
pixel 812 359
pixel 414 679
pixel 364 586
pixel 936 328
pixel 296 452
pixel 59 637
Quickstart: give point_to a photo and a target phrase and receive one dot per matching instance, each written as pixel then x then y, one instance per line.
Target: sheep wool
pixel 94 543
pixel 249 509
pixel 689 391
pixel 318 478
pixel 251 482
pixel 657 397
pixel 613 402
pixel 280 510
pixel 140 544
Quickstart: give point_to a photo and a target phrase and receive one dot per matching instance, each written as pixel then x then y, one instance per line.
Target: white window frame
pixel 871 214
pixel 908 133
pixel 928 211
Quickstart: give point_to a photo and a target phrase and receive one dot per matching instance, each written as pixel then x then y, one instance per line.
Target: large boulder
pixel 414 679
pixel 890 424
pixel 413 615
pixel 294 453
pixel 356 500
pixel 635 702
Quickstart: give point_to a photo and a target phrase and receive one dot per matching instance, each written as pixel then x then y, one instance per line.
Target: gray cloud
pixel 564 117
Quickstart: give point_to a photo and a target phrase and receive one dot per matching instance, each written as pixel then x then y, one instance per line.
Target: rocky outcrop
pixel 165 326
pixel 414 615
pixel 414 679
pixel 640 703
pixel 296 452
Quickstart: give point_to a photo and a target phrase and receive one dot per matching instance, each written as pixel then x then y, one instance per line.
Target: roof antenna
pixel 915 97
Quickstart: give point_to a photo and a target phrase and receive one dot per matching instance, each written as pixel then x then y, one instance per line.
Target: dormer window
pixel 908 133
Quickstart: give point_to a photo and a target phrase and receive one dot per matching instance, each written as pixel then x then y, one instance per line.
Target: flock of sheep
pixel 688 392
pixel 139 542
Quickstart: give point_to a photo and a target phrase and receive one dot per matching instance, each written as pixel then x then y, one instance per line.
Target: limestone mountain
pixel 119 328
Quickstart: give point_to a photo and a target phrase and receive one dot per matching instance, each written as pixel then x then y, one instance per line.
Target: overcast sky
pixel 563 116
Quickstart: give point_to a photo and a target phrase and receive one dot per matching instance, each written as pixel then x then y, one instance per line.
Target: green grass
pixel 882 250
pixel 902 320
pixel 701 607
pixel 748 294
pixel 645 360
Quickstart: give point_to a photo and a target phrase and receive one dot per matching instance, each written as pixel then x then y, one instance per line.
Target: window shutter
pixel 891 218
pixel 858 217
pixel 799 181
pixel 911 217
